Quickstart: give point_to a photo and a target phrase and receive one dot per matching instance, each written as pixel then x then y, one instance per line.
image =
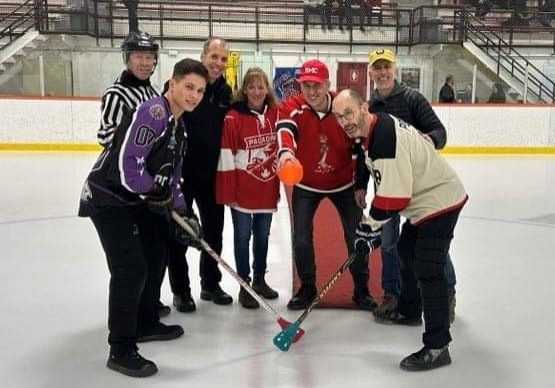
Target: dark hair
pixel 188 66
pixel 254 74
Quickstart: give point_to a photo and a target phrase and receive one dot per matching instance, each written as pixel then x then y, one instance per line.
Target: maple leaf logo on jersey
pixel 262 153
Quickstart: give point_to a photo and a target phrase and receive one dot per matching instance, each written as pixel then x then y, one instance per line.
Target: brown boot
pixel 262 288
pixel 246 299
pixel 384 310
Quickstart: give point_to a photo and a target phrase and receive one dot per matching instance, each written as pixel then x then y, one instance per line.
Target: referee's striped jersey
pixel 126 94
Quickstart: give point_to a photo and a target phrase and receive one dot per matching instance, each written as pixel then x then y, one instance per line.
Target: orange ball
pixel 291 172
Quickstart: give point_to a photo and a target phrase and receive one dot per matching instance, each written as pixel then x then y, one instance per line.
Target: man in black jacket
pixel 409 105
pixel 204 129
pixel 446 93
pixel 131 88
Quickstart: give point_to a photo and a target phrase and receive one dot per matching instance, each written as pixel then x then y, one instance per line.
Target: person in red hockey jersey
pixel 309 133
pixel 246 179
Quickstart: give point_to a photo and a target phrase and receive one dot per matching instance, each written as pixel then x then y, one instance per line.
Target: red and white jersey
pixel 246 176
pixel 318 142
pixel 410 176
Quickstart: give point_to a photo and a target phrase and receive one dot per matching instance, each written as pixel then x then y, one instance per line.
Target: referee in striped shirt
pixel 133 87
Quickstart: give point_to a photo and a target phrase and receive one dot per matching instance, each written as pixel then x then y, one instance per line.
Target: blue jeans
pixel 391 277
pixel 304 205
pixel 245 225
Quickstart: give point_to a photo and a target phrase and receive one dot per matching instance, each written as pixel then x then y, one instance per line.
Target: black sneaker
pixel 216 295
pixel 426 358
pixel 160 332
pixel 184 303
pixel 395 318
pixel 132 364
pixel 303 297
pixel 364 300
pixel 163 310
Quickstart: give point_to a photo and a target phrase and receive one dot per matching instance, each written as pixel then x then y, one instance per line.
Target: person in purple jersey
pixel 127 194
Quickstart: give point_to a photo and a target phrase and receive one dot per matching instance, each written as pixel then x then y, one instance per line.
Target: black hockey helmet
pixel 138 41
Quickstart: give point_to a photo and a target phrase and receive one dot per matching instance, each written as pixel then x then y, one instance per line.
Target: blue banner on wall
pixel 284 83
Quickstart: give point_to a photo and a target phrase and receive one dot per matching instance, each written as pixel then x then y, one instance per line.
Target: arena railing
pixel 508 60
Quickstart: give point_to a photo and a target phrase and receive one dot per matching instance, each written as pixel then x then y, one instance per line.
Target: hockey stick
pixel 285 337
pixel 282 322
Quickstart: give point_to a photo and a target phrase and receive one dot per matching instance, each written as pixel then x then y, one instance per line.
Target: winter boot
pixel 262 288
pixel 246 299
pixel 388 306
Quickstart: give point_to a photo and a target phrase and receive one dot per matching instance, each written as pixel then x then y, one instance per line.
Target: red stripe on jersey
pixel 442 211
pixel 390 203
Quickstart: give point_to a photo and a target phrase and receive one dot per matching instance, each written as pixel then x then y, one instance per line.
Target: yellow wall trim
pixel 498 150
pixel 447 150
pixel 49 147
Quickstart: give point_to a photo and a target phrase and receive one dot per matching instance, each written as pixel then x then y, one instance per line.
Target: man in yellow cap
pixel 391 96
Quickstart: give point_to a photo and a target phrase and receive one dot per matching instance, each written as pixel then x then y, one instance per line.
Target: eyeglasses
pixel 348 115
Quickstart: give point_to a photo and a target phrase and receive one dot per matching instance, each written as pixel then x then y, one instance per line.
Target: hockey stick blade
pixel 285 324
pixel 284 338
pixel 282 322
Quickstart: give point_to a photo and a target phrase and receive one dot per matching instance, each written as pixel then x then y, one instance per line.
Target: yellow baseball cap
pixel 376 55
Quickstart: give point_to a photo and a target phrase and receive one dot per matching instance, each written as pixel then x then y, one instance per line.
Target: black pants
pixel 212 221
pixel 346 13
pixel 304 205
pixel 423 252
pixel 326 14
pixel 135 246
pixel 178 268
pixel 132 6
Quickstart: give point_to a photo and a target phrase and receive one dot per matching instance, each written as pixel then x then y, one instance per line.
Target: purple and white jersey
pixel 144 142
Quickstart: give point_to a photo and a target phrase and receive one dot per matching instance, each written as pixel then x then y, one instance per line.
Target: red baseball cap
pixel 313 70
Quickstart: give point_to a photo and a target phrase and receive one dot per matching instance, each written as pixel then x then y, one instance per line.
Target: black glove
pixel 159 200
pixel 366 239
pixel 163 176
pixel 159 197
pixel 183 237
